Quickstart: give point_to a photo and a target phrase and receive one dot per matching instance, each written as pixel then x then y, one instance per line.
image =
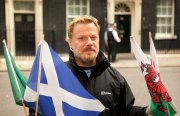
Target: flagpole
pixel 23 105
pixel 39 75
pixel 24 108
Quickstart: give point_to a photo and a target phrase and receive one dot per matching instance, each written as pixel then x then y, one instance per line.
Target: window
pixel 24 5
pixel 76 8
pixel 121 7
pixel 165 19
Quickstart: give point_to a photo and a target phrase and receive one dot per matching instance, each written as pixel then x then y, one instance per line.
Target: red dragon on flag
pixel 156 86
pixel 161 102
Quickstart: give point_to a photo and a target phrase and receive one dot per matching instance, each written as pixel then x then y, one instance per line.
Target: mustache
pixel 89 49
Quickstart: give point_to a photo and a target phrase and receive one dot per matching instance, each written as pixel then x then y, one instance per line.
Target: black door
pixel 24 34
pixel 123 25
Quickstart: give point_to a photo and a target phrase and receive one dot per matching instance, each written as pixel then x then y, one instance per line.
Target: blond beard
pixel 87 61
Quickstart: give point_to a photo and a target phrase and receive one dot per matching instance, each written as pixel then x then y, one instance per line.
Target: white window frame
pixel 74 6
pixel 166 35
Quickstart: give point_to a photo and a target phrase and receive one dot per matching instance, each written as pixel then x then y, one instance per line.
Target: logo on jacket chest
pixel 105 93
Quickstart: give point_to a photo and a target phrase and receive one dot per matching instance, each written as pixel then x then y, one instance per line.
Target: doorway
pixel 24 34
pixel 123 25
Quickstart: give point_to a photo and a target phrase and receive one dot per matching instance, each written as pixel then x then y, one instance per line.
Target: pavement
pixel 122 60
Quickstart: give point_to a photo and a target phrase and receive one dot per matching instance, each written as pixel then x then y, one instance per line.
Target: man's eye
pixel 93 37
pixel 81 38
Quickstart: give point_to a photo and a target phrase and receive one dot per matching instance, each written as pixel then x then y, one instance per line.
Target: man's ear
pixel 69 42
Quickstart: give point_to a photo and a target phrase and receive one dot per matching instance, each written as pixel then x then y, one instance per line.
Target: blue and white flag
pixel 60 93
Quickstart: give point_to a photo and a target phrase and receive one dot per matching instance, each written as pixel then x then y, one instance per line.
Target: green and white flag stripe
pixel 17 79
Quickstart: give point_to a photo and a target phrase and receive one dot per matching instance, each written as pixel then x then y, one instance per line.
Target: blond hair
pixel 82 20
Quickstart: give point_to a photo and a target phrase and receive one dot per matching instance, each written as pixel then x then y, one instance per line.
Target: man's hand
pixel 148 111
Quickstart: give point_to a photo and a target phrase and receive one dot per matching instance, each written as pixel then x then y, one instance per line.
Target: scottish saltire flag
pixel 161 102
pixel 60 91
pixel 17 79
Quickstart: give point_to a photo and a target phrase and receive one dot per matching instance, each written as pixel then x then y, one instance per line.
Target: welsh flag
pixel 17 79
pixel 161 101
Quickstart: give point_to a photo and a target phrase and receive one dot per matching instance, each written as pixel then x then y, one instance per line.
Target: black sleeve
pixel 126 103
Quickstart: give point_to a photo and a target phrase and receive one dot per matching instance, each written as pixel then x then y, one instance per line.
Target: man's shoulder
pixel 115 74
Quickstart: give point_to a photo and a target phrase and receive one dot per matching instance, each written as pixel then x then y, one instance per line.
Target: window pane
pixel 30 18
pixel 77 11
pixel 169 29
pixel 158 11
pixel 69 20
pixel 70 2
pixel 169 11
pixel 70 11
pixel 162 20
pixel 158 2
pixel 163 3
pixel 84 2
pixel 164 11
pixel 18 18
pixel 77 2
pixel 169 21
pixel 84 11
pixel 163 29
pixel 158 21
pixel 169 2
pixel 158 29
pixel 20 5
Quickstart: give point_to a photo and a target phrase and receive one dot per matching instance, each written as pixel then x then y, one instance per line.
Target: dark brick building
pixel 167 18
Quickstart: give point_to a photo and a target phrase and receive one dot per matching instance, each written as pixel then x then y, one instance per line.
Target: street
pixel 169 75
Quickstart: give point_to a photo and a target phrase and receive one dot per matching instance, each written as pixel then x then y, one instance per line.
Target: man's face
pixel 85 44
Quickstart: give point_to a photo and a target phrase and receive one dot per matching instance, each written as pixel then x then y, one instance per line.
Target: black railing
pixel 23 49
pixel 2 37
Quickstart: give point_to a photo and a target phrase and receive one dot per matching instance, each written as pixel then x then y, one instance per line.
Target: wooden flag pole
pixel 39 76
pixel 24 108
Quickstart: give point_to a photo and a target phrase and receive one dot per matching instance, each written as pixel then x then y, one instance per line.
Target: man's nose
pixel 89 41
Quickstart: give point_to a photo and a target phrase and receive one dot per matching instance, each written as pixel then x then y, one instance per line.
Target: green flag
pixel 17 79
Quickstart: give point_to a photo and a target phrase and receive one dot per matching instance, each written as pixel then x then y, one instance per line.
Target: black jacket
pixel 108 86
pixel 110 37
